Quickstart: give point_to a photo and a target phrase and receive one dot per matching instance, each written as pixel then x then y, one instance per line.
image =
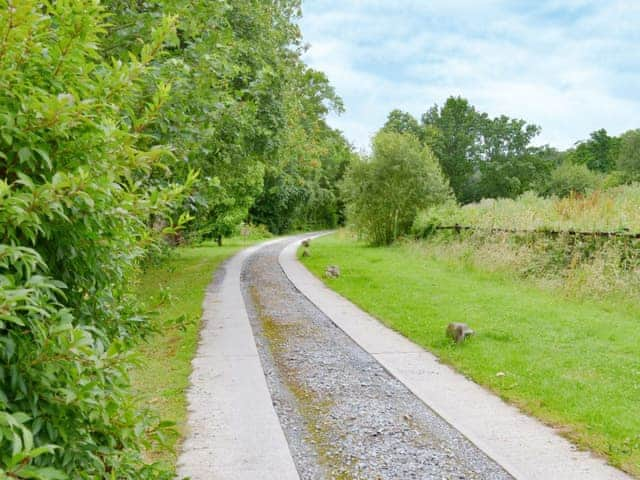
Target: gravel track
pixel 344 416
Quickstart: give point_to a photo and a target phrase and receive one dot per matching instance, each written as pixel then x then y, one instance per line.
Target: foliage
pixel 403 122
pixel 628 161
pixel 251 232
pixel 452 133
pixel 384 193
pixel 107 108
pixel 599 152
pixel 483 156
pixel 73 221
pixel 301 185
pixel 509 165
pixel 570 178
pixel 245 111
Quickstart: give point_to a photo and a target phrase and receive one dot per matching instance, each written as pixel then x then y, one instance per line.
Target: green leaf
pixel 24 154
pixel 41 473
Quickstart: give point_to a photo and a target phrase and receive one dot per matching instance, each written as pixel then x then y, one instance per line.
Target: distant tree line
pixel 485 157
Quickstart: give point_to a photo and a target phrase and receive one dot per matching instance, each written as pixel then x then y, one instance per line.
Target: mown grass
pixel 174 291
pixel 572 362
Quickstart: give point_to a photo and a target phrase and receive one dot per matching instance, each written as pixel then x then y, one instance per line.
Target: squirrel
pixel 459 331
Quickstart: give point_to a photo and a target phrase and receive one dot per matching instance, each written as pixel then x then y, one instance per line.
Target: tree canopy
pixel 485 157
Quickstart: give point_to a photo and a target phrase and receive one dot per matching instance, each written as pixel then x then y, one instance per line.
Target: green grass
pixel 574 363
pixel 175 291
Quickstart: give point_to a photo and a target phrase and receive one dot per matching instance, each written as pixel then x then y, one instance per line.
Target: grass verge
pixel 175 291
pixel 574 363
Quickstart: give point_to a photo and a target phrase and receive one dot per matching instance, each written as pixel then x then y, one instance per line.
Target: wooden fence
pixel 574 233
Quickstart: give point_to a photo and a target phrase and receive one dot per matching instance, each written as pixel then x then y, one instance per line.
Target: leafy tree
pixel 300 187
pixel 244 110
pixel 384 194
pixel 452 133
pixel 403 122
pixel 483 156
pixel 107 108
pixel 599 152
pixel 629 157
pixel 509 165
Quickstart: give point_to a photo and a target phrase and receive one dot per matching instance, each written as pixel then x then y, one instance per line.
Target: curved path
pixel 280 392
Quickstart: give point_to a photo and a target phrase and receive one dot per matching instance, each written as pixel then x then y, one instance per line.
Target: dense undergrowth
pixel 613 210
pixel 535 237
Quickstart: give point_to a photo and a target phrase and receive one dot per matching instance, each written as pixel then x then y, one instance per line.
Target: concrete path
pixel 523 446
pixel 234 432
pixel 343 415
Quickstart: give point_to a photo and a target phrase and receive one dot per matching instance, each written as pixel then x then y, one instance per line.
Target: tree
pixel 629 157
pixel 403 122
pixel 244 111
pixel 383 194
pixel 300 185
pixel 108 107
pixel 452 134
pixel 599 152
pixel 483 156
pixel 73 227
pixel 508 164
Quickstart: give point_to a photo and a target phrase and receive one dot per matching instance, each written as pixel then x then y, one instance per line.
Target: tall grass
pixel 575 265
pixel 617 209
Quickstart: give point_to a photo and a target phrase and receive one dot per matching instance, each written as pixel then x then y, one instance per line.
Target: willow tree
pixel 385 192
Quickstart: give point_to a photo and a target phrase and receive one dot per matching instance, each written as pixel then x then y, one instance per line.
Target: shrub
pixel 570 177
pixel 629 156
pixel 428 221
pixel 384 194
pixel 249 231
pixel 73 222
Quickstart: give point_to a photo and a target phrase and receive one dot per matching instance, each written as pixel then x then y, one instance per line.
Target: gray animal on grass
pixel 332 271
pixel 459 331
pixel 306 243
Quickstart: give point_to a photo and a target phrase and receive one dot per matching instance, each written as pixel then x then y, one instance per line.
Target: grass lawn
pixel 175 290
pixel 573 363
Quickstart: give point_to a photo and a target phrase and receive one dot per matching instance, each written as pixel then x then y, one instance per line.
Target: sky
pixel 570 66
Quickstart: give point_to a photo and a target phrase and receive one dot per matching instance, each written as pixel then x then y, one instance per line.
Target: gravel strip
pixel 345 417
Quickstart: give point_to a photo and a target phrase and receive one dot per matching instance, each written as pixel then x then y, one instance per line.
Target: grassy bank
pixel 573 362
pixel 175 291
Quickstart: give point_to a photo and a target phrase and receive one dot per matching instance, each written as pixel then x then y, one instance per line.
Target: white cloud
pixel 571 70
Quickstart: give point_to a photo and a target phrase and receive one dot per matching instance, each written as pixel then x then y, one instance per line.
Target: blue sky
pixel 570 66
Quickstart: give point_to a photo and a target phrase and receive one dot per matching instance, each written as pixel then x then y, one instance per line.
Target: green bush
pixel 384 194
pixel 570 177
pixel 427 221
pixel 74 213
pixel 629 156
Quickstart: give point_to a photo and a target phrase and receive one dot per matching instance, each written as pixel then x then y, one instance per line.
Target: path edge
pixel 233 431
